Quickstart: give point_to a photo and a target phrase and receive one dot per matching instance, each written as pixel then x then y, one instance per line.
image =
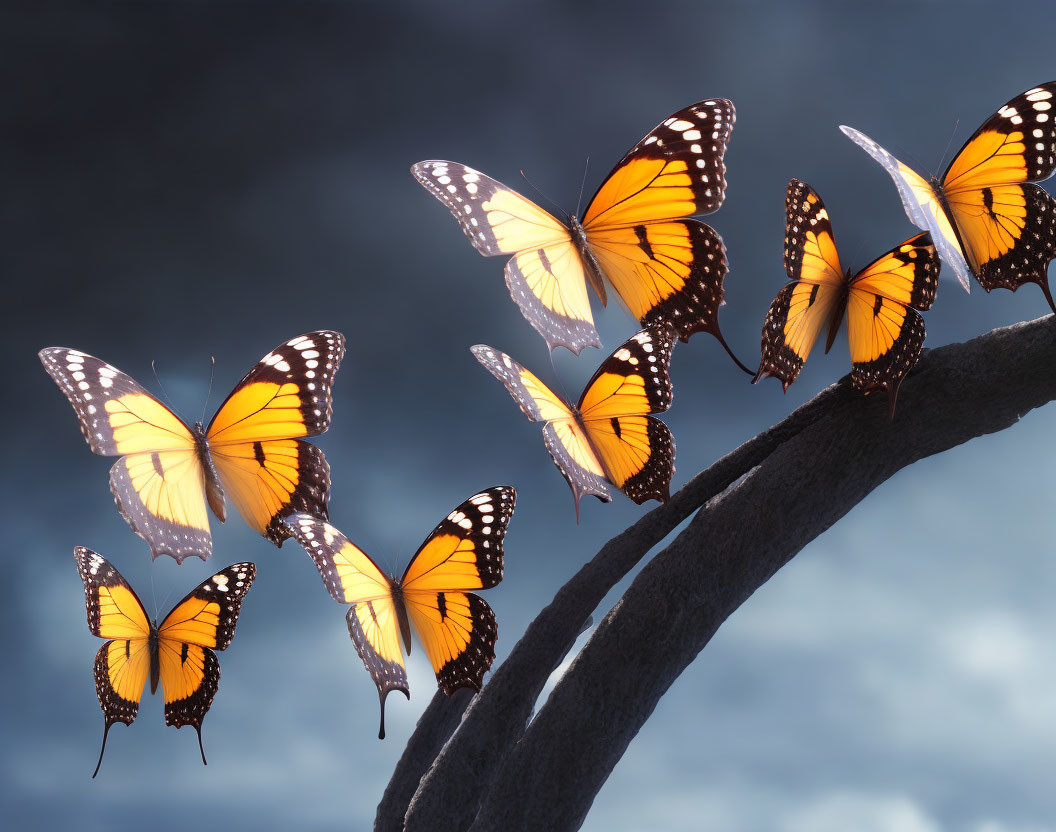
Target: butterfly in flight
pixel 178 652
pixel 456 626
pixel 635 233
pixel 885 331
pixel 986 215
pixel 251 450
pixel 610 435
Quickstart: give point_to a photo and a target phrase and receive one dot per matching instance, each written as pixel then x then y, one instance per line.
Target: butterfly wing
pixel 563 434
pixel 666 271
pixel 921 203
pixel 807 304
pixel 374 621
pixel 676 170
pixel 545 276
pixel 636 451
pixel 123 662
pixel 1007 225
pixel 265 468
pixel 202 622
pixel 886 333
pixel 159 485
pixel 464 552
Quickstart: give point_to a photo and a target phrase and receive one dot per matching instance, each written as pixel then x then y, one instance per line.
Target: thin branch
pixel 451 790
pixel 736 544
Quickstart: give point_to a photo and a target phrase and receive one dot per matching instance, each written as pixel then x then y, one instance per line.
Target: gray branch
pixel 956 393
pixel 732 547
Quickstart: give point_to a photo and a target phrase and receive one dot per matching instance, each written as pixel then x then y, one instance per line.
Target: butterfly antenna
pixel 949 142
pixel 209 392
pixel 106 730
pixel 164 393
pixel 560 211
pixel 582 185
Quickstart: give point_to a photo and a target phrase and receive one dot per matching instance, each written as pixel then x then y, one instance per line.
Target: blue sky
pixel 182 183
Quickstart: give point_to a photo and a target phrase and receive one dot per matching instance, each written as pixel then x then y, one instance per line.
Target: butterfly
pixel 456 626
pixel 886 332
pixel 634 233
pixel 178 652
pixel 609 436
pixel 250 451
pixel 985 214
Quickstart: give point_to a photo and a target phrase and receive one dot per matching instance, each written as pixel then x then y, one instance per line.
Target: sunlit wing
pixel 546 277
pixel 886 333
pixel 676 170
pixel 353 578
pixel 921 204
pixel 159 486
pixel 563 434
pixel 122 664
pixel 463 552
pixel 808 304
pixel 636 451
pixel 549 284
pixel 162 497
pixel 202 622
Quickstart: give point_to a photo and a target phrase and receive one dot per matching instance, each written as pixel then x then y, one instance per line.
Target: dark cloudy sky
pixel 186 180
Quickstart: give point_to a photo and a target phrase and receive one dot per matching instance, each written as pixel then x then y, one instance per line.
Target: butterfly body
pixel 987 216
pixel 636 233
pixel 170 475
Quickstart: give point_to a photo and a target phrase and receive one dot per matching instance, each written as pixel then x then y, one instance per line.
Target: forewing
pixel 207 616
pixel 349 574
pixel 810 246
pixel 114 610
pixel 286 395
pixel 537 401
pixel 676 170
pixel 634 380
pixel 921 203
pixel 465 550
pixel 496 219
pixel 908 274
pixel 116 415
pixel 267 481
pixel 1016 144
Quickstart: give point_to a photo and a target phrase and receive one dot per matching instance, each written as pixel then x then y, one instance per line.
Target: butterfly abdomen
pixel 590 262
pixel 214 491
pixel 401 614
pixel 155 663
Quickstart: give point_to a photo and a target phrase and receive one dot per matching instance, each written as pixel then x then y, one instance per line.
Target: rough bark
pixel 734 545
pixel 809 470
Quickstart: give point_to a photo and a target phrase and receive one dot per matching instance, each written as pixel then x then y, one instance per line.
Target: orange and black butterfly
pixel 610 435
pixel 985 213
pixel 456 626
pixel 178 652
pixel 885 331
pixel 634 233
pixel 251 450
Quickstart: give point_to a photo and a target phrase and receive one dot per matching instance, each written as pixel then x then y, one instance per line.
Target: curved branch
pixel 450 792
pixel 734 545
